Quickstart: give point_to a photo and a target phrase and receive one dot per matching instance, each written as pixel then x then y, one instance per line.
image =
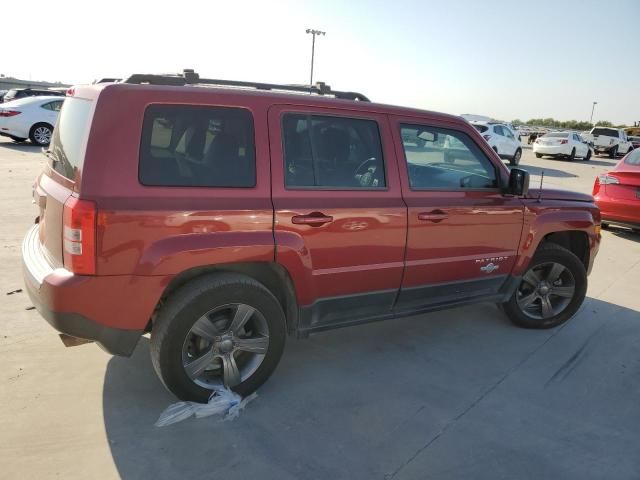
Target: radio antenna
pixel 540 189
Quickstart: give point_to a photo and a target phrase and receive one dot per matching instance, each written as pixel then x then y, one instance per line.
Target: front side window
pixel 197 146
pixel 332 152
pixel 445 159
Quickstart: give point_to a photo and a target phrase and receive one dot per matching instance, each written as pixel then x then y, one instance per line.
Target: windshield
pixel 66 153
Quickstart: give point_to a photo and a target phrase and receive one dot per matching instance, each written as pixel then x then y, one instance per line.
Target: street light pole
pixel 592 109
pixel 313 47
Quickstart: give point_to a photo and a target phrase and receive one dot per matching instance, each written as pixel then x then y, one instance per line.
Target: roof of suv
pixel 245 95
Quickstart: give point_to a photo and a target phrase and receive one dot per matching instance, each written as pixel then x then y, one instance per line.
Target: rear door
pixel 340 221
pixel 463 233
pixel 61 176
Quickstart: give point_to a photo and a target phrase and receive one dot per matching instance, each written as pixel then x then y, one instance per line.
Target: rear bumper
pixel 624 212
pixel 551 150
pixel 69 302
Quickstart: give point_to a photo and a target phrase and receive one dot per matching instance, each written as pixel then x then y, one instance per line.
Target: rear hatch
pixel 62 174
pixel 604 137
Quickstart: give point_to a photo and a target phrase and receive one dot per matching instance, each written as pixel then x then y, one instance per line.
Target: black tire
pixel 605 226
pixel 193 301
pixel 538 155
pixel 572 157
pixel 38 135
pixel 613 152
pixel 550 253
pixel 516 157
pixel 588 157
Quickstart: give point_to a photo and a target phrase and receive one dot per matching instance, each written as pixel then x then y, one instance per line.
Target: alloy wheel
pixel 225 346
pixel 546 291
pixel 42 135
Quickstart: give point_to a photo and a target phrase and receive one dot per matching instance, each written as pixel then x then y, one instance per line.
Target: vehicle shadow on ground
pixel 451 394
pixel 625 233
pixel 20 147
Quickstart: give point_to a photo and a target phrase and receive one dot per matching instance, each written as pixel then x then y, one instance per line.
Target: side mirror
pixel 518 182
pixel 427 136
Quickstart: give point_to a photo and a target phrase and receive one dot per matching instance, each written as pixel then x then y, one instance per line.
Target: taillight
pixel 9 113
pixel 79 236
pixel 486 137
pixel 71 92
pixel 605 179
pixel 562 142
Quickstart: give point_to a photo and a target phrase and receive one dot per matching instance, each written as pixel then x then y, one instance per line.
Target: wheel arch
pixel 272 275
pixel 576 241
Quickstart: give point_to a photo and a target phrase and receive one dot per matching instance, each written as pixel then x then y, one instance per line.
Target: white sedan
pixel 30 117
pixel 562 144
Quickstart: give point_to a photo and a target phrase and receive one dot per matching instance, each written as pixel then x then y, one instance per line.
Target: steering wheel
pixel 367 175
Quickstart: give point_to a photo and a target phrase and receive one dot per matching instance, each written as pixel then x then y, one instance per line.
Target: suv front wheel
pixel 218 330
pixel 551 290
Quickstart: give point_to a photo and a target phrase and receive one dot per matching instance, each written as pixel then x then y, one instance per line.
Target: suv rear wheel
pixel 551 291
pixel 218 330
pixel 613 152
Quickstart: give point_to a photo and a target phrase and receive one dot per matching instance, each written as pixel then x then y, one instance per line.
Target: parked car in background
pixel 31 117
pixel 610 141
pixel 223 220
pixel 567 145
pixel 635 141
pixel 502 139
pixel 617 193
pixel 17 93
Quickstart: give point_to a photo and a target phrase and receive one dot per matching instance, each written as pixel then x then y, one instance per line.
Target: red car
pixel 225 219
pixel 617 193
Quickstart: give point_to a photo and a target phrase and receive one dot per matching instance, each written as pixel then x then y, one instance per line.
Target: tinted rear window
pixel 481 128
pixel 556 135
pixel 196 146
pixel 69 136
pixel 609 132
pixel 633 158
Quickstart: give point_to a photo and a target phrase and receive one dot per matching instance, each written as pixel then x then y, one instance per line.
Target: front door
pixel 463 233
pixel 340 221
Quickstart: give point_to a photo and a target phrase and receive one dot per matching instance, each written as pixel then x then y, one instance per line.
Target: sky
pixel 505 59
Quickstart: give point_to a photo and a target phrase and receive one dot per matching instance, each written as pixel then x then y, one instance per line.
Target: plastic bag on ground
pixel 221 402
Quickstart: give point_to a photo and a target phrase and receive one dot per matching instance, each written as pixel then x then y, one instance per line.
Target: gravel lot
pixel 449 395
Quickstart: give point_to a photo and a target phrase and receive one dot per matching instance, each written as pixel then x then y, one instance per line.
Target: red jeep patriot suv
pixel 224 216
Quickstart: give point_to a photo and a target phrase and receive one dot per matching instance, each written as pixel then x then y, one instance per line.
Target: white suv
pixel 502 139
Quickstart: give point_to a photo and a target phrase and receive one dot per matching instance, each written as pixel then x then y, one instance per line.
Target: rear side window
pixel 481 128
pixel 196 146
pixel 67 146
pixel 332 152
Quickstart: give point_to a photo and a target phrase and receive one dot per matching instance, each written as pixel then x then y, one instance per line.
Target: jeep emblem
pixel 491 267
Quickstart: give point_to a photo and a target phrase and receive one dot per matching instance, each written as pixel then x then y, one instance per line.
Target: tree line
pixel 569 124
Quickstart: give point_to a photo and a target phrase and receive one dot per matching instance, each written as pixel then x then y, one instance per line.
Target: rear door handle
pixel 314 219
pixel 434 216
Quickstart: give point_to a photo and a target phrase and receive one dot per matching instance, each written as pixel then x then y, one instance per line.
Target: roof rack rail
pixel 189 77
